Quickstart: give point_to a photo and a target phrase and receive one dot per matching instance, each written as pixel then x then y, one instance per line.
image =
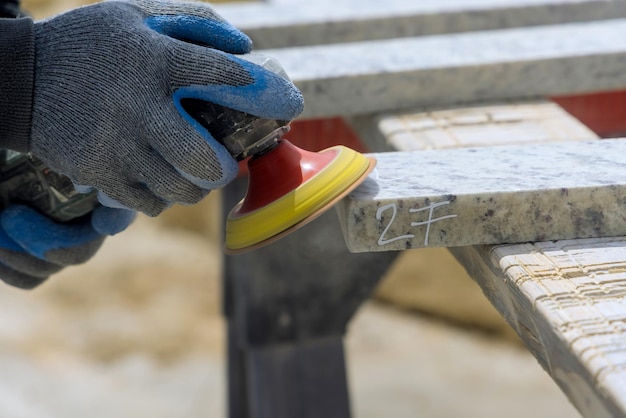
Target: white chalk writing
pixel 379 216
pixel 430 208
pixel 383 239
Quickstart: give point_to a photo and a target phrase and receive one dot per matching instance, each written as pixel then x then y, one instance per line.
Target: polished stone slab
pixel 446 70
pixel 492 195
pixel 298 23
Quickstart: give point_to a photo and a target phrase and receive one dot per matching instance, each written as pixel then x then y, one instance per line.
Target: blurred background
pixel 138 332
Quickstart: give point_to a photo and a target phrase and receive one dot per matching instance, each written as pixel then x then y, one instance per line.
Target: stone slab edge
pixel 493 195
pixel 300 23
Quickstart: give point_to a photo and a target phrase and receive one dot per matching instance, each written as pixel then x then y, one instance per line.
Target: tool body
pixel 288 187
pixel 26 180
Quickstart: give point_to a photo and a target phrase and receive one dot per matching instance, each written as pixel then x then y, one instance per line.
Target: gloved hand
pixel 109 80
pixel 32 246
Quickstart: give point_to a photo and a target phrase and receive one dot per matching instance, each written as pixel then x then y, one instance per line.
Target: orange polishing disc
pixel 288 187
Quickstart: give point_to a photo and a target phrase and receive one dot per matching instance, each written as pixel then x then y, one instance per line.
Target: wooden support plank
pixel 489 195
pixel 566 301
pixel 299 23
pixel 442 71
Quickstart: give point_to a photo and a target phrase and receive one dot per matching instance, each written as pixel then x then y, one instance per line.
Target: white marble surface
pixel 289 23
pixel 445 70
pixel 508 194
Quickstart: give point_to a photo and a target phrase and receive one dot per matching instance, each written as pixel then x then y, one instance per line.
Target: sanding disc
pixel 249 227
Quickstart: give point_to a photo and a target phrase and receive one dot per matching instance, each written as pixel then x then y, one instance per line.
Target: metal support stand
pixel 288 306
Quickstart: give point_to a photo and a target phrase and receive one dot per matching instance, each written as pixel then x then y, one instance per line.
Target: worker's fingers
pixel 146 181
pixel 46 239
pixel 197 156
pixel 110 221
pixel 16 278
pixel 194 22
pixel 232 82
pixel 20 269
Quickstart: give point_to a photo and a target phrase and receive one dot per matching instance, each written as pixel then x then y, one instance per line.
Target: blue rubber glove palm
pixel 109 80
pixel 32 246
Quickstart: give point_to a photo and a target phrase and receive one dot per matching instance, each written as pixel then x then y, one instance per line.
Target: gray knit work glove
pixel 107 111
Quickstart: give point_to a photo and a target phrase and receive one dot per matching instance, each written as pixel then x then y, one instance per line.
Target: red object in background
pixel 603 113
pixel 318 134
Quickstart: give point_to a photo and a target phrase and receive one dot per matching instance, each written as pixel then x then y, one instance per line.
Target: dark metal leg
pixel 305 380
pixel 237 391
pixel 288 306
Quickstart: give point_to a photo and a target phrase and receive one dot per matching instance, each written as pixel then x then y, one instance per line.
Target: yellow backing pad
pixel 246 232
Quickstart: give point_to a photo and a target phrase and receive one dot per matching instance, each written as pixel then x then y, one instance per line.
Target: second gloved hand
pixel 109 80
pixel 33 247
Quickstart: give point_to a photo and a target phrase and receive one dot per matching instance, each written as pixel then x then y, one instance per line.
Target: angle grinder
pixel 288 187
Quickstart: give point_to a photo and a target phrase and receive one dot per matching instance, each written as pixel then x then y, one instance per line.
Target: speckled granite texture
pixel 297 23
pixel 445 70
pixel 509 194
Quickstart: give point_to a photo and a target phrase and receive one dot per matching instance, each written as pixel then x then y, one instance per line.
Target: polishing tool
pixel 288 187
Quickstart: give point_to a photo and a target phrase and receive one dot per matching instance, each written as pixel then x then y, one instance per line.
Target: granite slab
pixel 430 280
pixel 490 195
pixel 565 300
pixel 298 23
pixel 445 70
